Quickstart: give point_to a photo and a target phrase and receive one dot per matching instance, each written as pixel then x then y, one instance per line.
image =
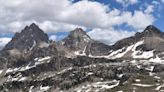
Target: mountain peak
pixel 33 25
pixel 151 29
pixel 78 32
pixel 27 38
pixel 76 40
pixel 32 28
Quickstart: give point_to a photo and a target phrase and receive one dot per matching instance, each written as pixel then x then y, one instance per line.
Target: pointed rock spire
pixel 27 39
pixel 152 31
pixel 78 32
pixel 77 39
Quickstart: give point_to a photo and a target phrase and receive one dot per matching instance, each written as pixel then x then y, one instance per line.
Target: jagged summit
pixel 34 31
pixel 77 39
pixel 32 26
pixel 78 33
pixel 151 30
pixel 80 43
pixel 27 39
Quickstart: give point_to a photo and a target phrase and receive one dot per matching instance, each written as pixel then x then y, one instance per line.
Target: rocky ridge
pixel 131 64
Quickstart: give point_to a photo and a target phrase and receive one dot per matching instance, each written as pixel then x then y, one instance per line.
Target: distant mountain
pixel 79 43
pixel 30 62
pixel 30 37
pixel 76 40
pixel 143 45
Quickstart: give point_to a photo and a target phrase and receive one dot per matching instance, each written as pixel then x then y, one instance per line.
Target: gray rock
pixel 27 39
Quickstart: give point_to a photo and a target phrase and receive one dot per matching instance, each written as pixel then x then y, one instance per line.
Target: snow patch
pixel 23 79
pixel 86 38
pixel 34 44
pixel 138 80
pixel 145 55
pixel 19 78
pixel 90 73
pixel 156 77
pixel 156 60
pixel 29 66
pixel 114 53
pixel 137 44
pixel 120 75
pixel 119 55
pixel 30 90
pixel 1 71
pixel 141 54
pixel 12 70
pixel 104 85
pixel 45 58
pixel 159 87
pixel 150 68
pixel 143 85
pixel 43 89
pixel 81 53
pixel 63 71
pixel 98 85
pixel 133 61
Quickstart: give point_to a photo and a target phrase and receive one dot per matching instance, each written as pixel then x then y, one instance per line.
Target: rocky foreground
pixel 84 74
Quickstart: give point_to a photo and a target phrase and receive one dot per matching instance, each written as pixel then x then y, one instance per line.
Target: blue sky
pixel 104 20
pixel 158 9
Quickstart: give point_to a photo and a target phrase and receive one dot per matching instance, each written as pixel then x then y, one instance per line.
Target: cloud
pixel 4 41
pixel 133 1
pixel 87 13
pixel 57 37
pixel 50 26
pixel 126 3
pixel 162 1
pixel 109 37
pixel 140 20
pixel 64 16
pixel 63 12
pixel 53 37
pixel 149 9
pixel 155 2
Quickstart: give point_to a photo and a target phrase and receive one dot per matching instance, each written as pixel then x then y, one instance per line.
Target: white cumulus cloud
pixel 4 41
pixel 140 20
pixel 64 15
pixel 53 37
pixel 126 3
pixel 109 37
